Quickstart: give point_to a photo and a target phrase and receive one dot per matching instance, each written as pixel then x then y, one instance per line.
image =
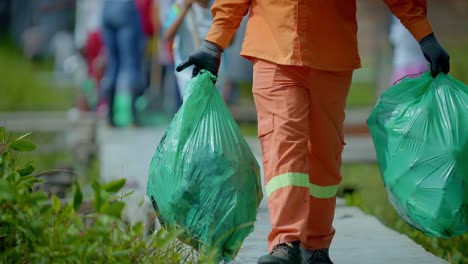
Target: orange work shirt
pixel 321 34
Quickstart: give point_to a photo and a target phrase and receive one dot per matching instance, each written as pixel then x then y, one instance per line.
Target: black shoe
pixel 317 256
pixel 286 253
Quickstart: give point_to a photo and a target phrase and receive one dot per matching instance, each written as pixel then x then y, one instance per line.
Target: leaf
pixel 37 196
pixel 23 136
pixel 6 157
pixel 15 176
pixel 140 203
pixel 68 211
pixel 22 145
pixel 27 170
pixel 114 186
pixel 138 228
pixel 4 230
pixel 97 203
pixel 113 209
pixel 27 182
pixel 165 237
pixel 128 194
pixel 2 134
pixel 122 253
pixel 7 191
pixel 77 196
pixel 55 204
pixel 26 231
pixel 44 211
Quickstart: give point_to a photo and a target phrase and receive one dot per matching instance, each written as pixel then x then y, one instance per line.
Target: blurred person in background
pixel 88 39
pixel 149 15
pixel 168 81
pixel 187 24
pixel 123 79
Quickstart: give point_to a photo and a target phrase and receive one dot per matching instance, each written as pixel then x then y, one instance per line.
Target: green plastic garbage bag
pixel 420 132
pixel 203 177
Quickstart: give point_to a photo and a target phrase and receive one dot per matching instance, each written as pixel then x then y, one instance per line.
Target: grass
pixel 361 94
pixel 371 197
pixel 22 87
pixel 459 59
pixel 248 130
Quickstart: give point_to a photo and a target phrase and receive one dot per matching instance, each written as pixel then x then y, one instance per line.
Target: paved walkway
pixel 360 238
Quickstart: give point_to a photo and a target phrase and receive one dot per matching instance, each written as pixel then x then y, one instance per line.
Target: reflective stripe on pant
pixel 301 114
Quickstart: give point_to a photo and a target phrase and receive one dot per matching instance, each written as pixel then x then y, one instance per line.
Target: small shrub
pixel 37 229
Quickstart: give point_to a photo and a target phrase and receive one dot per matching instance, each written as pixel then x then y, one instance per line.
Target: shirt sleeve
pixel 413 15
pixel 227 15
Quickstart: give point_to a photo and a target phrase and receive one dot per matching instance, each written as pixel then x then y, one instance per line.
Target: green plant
pixel 37 229
pixel 361 94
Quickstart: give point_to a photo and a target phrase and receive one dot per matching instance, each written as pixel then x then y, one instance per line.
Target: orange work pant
pixel 300 125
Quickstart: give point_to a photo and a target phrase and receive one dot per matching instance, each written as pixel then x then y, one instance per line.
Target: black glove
pixel 435 54
pixel 207 57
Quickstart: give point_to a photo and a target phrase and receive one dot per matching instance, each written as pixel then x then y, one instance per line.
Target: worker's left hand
pixel 207 57
pixel 435 54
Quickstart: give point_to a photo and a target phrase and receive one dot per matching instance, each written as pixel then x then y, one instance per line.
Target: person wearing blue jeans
pixel 123 79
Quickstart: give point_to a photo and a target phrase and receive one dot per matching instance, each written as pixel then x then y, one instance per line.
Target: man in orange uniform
pixel 304 53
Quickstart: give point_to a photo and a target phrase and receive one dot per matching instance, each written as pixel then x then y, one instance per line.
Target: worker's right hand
pixel 435 54
pixel 207 57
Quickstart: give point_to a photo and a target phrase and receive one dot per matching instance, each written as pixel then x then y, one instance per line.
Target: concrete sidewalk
pixel 360 238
